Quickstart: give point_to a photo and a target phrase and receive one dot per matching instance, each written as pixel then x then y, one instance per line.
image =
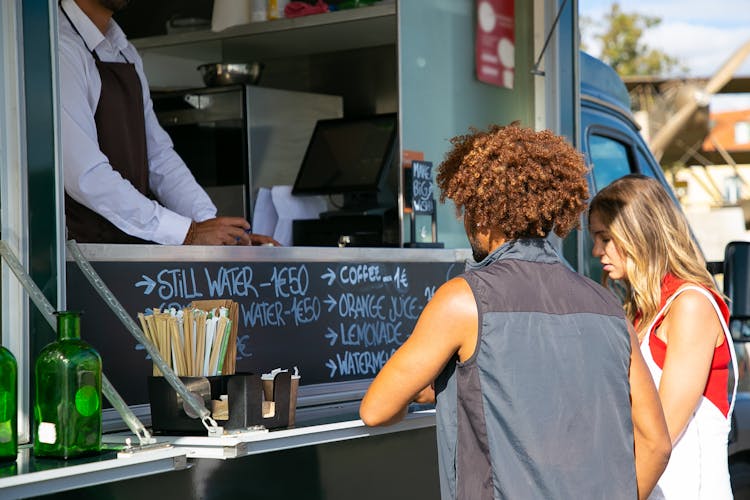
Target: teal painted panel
pixel 40 154
pixel 440 95
pixel 567 83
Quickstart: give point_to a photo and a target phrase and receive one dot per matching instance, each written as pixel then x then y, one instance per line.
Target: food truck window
pixel 351 158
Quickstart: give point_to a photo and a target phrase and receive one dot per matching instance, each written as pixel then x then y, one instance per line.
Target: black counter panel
pixel 335 321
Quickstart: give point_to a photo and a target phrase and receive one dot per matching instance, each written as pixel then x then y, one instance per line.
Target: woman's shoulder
pixel 691 304
pixel 692 294
pixel 693 319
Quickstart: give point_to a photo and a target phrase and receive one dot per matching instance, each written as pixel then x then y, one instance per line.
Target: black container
pixel 244 396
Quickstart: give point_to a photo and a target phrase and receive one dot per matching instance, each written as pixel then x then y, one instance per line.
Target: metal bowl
pixel 215 74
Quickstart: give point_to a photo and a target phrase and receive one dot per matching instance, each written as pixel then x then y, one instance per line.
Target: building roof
pixel 731 129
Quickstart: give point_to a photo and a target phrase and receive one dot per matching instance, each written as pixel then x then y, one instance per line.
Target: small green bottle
pixel 8 406
pixel 67 406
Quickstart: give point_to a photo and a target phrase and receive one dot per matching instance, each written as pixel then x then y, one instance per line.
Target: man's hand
pixel 226 231
pixel 260 239
pixel 426 395
pixel 221 231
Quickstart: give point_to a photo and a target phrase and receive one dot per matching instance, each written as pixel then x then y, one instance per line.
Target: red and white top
pixel 698 467
pixel 718 377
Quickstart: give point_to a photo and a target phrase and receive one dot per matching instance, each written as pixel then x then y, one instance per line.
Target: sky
pixel 701 34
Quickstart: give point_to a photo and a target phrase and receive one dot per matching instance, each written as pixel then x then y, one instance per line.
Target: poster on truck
pixel 495 42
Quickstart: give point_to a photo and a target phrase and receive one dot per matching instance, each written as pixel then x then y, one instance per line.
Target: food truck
pixel 347 287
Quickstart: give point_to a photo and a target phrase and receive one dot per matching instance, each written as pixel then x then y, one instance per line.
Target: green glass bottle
pixel 8 406
pixel 67 406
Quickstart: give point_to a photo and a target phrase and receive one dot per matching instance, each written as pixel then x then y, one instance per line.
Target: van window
pixel 610 160
pixel 645 165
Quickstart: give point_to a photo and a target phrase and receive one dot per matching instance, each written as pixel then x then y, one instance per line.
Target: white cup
pixel 228 13
pixel 259 11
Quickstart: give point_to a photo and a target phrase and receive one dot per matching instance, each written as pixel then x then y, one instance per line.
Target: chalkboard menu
pixel 335 321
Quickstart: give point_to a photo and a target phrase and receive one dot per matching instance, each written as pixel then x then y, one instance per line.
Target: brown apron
pixel 121 132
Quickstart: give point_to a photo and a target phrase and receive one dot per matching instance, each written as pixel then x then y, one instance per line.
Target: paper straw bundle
pixel 230 360
pixel 196 342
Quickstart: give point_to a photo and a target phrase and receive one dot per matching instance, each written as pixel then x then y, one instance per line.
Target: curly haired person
pixel 643 242
pixel 541 391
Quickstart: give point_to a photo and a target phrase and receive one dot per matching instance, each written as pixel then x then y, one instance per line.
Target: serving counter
pixel 241 444
pixel 335 314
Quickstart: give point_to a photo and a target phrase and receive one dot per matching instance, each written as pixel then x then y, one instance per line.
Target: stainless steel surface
pixel 317 395
pixel 164 253
pixel 199 386
pixel 203 106
pixel 278 126
pixel 217 74
pixel 330 429
pixel 35 478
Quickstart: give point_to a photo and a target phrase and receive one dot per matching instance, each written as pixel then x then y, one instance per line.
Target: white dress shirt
pixel 88 176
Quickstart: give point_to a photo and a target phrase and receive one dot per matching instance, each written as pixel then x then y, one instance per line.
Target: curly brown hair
pixel 515 180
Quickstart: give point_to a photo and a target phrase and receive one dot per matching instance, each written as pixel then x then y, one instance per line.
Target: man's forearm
pixel 651 459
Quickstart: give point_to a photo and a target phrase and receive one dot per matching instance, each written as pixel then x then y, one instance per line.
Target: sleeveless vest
pixel 542 408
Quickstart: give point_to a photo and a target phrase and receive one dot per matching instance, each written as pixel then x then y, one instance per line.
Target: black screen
pixel 347 155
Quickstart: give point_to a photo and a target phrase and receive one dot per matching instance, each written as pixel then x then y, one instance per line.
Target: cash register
pixel 349 159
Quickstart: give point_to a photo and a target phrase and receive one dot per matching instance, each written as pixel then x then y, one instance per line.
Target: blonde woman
pixel 643 242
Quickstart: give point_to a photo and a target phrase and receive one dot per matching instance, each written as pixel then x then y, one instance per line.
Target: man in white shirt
pixel 124 183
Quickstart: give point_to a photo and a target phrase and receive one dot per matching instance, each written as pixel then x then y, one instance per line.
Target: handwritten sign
pixel 335 321
pixel 421 197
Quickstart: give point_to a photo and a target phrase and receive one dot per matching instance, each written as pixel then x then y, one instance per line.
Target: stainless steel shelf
pixel 42 478
pixel 165 253
pixel 255 442
pixel 334 31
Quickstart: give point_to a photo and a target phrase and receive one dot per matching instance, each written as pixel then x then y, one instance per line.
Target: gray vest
pixel 542 408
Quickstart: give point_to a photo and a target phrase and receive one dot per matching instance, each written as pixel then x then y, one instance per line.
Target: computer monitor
pixel 349 156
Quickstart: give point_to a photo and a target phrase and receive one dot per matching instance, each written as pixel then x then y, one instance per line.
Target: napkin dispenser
pixel 244 397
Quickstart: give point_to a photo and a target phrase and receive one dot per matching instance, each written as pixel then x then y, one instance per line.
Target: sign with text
pixel 336 321
pixel 422 190
pixel 495 42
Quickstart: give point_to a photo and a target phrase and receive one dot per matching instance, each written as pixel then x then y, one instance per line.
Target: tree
pixel 624 49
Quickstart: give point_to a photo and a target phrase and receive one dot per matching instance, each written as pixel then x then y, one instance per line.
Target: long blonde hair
pixel 653 235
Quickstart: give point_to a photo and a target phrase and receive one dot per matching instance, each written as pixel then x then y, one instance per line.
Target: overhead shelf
pixel 330 32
